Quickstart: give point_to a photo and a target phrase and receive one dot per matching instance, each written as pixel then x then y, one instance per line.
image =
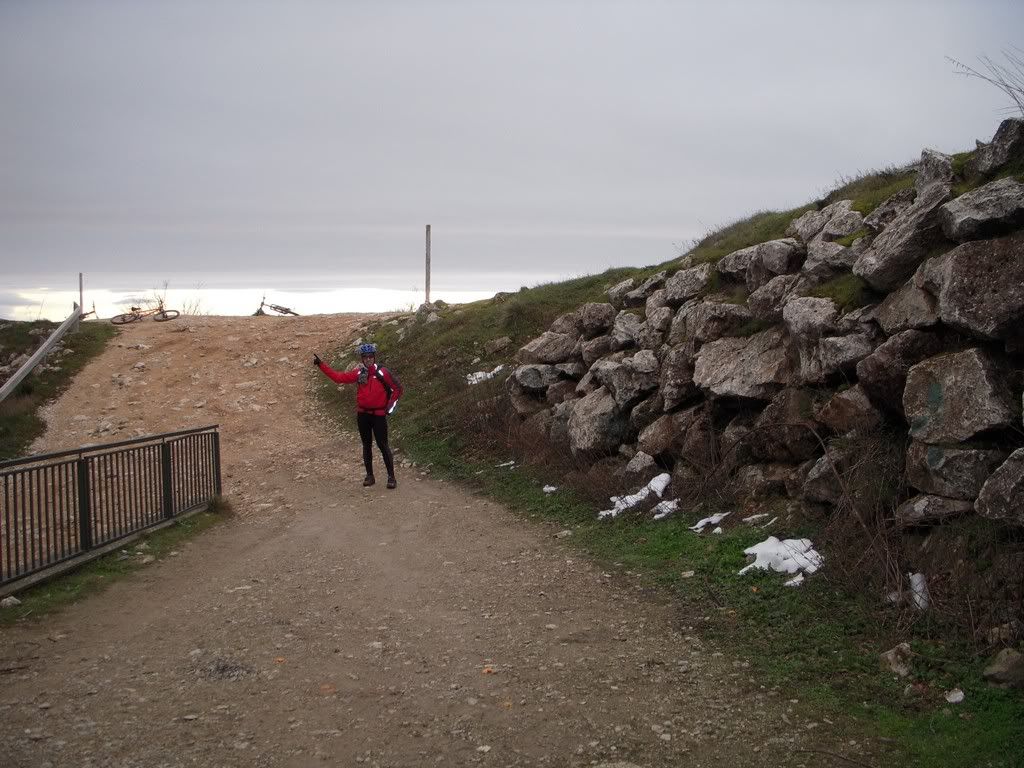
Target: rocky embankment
pixel 738 367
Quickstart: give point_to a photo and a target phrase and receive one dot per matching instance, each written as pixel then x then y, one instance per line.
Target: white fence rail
pixel 37 357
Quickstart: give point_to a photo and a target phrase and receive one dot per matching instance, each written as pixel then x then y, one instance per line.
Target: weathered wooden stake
pixel 428 263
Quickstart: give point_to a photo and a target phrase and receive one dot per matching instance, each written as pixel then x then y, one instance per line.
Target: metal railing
pixel 58 506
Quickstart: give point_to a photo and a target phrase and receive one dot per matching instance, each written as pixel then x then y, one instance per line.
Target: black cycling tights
pixel 370 427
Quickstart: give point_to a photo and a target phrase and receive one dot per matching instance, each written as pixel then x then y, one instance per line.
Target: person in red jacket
pixel 376 396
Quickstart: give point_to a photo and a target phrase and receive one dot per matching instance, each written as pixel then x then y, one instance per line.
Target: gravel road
pixel 328 624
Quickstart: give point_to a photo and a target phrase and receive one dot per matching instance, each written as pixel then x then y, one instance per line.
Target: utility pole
pixel 428 263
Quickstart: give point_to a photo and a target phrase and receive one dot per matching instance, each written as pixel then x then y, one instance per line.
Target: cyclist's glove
pixel 317 360
pixel 364 375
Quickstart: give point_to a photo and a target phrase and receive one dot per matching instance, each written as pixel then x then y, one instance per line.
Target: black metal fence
pixel 57 506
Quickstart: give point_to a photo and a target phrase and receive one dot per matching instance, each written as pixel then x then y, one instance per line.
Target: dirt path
pixel 329 624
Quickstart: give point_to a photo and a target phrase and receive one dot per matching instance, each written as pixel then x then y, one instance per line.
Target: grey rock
pixel 568 323
pixel 952 397
pixel 821 484
pixel 667 433
pixel 549 347
pixel 927 509
pixel 709 321
pixel 761 481
pixel 677 376
pixel 560 391
pixel 898 249
pixel 766 302
pixel 843 224
pixel 785 431
pixel 596 318
pixel 771 259
pixel 558 431
pixel 934 168
pixel 626 330
pixel 848 410
pixel 641 468
pixel 883 373
pixel 994 209
pixel 497 345
pixel 980 286
pixel 810 318
pixel 617 293
pixel 677 328
pixel 835 354
pixel 655 301
pixel 596 348
pixel 536 377
pixel 734 265
pixel 953 471
pixel 596 424
pixel 893 206
pixel 630 380
pixel 525 402
pixel 825 257
pixel 754 367
pixel 639 295
pixel 660 319
pixel 572 370
pixel 1006 669
pixel 1002 495
pixel 907 307
pixel 688 283
pixel 813 222
pixel 645 413
pixel 1006 145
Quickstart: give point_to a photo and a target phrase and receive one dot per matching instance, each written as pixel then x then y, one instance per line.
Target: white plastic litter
pixel 955 696
pixel 717 531
pixel 657 486
pixel 665 508
pixel 787 556
pixel 919 589
pixel 706 521
pixel 476 378
pixel 550 488
pixel 796 581
pixel 509 463
pixel 755 518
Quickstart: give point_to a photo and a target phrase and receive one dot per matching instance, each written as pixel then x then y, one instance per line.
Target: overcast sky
pixel 537 138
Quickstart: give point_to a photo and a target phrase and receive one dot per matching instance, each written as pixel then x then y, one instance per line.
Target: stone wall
pixel 678 367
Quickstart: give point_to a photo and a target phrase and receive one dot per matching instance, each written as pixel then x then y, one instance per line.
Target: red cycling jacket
pixel 371 397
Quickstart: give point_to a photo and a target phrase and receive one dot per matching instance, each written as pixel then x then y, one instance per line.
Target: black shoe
pixel 392 483
pixel 369 480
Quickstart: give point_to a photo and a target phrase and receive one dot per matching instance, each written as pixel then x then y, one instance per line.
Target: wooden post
pixel 428 263
pixel 81 292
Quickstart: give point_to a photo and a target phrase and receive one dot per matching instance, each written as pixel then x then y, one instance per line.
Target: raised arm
pixel 346 377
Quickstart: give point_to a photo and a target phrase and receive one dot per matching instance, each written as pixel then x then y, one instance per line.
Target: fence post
pixel 216 463
pixel 84 504
pixel 165 471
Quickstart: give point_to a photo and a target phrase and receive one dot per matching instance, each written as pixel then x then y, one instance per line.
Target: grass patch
pixel 850 239
pixel 756 228
pixel 848 291
pixel 869 190
pixel 97 575
pixel 19 422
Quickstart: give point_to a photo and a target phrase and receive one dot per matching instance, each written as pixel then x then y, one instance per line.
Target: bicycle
pixel 158 313
pixel 276 307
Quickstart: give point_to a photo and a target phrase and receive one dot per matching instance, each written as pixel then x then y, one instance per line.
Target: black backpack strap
pixel 387 388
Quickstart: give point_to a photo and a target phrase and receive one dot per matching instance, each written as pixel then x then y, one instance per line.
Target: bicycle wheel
pixel 127 317
pixel 167 314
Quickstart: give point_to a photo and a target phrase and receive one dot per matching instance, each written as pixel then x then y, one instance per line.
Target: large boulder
pixel 993 209
pixel 786 431
pixel 953 471
pixel 980 287
pixel 560 391
pixel 928 509
pixel 639 295
pixel 677 376
pixel 952 397
pixel 656 300
pixel 688 283
pixel 771 259
pixel 809 318
pixel 910 237
pixel 596 424
pixel 734 265
pixel 1002 495
pixel 596 318
pixel 709 320
pixel 907 307
pixel 825 258
pixel 812 222
pixel 558 430
pixel 626 330
pixel 934 168
pixel 596 348
pixel 666 434
pixel 645 414
pixel 659 319
pixel 631 379
pixel 761 481
pixel 766 302
pixel 822 482
pixel 549 347
pixel 883 373
pixel 617 293
pixel 892 207
pixel 536 377
pixel 568 323
pixel 525 402
pixel 1006 145
pixel 835 354
pixel 755 367
pixel 848 410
